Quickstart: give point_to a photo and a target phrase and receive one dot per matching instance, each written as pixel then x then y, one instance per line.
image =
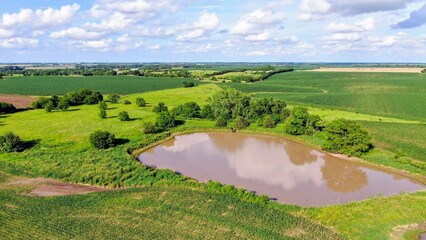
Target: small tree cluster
pixel 115 98
pixel 301 122
pixel 160 107
pixel 124 116
pixel 347 137
pixel 140 102
pixel 186 84
pixel 148 128
pixel 102 139
pixel 7 108
pixel 84 96
pixel 127 102
pixel 10 142
pixel 102 109
pixel 187 110
pixel 240 123
pixel 165 120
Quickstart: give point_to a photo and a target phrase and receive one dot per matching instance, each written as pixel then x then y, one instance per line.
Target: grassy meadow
pixel 153 200
pixel 50 85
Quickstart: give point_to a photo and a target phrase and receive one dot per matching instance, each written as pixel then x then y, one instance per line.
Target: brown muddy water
pixel 284 170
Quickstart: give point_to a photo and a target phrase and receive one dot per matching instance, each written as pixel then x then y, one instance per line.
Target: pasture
pixel 48 85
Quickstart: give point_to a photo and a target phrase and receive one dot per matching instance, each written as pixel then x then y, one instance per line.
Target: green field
pixel 156 200
pixel 398 95
pixel 46 85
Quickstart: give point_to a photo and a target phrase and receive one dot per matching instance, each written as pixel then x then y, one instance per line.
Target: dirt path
pixel 371 70
pixel 49 187
pixel 19 101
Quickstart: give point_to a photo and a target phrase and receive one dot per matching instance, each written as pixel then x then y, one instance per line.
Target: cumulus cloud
pixel 364 25
pixel 100 45
pixel 40 18
pixel 206 23
pixel 416 19
pixel 256 53
pixel 311 8
pixel 76 33
pixel 255 22
pixel 18 42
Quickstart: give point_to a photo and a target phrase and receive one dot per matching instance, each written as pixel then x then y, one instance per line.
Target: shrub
pixel 63 104
pixel 40 103
pixel 221 122
pixel 148 127
pixel 240 123
pixel 347 137
pixel 10 142
pixel 127 102
pixel 165 120
pixel 102 113
pixel 103 105
pixel 268 122
pixel 207 112
pixel 424 70
pixel 48 106
pixel 124 116
pixel 161 107
pixel 188 110
pixel 188 84
pixel 140 102
pixel 102 139
pixel 114 98
pixel 296 123
pixel 7 108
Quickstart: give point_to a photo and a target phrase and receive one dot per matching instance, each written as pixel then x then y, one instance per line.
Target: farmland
pixel 47 85
pixel 171 201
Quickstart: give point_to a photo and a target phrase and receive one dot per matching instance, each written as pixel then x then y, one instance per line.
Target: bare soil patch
pixel 49 187
pixel 18 101
pixel 385 70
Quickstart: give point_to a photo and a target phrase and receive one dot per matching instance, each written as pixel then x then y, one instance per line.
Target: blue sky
pixel 212 31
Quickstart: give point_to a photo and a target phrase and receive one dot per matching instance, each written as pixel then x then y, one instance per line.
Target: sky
pixel 212 31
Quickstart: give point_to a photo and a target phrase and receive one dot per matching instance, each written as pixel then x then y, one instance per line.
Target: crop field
pixel 46 85
pixel 399 95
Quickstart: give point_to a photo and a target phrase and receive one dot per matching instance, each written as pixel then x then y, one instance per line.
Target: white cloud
pixel 154 47
pixel 5 33
pixel 18 42
pixel 76 33
pixel 115 23
pixel 40 18
pixel 256 53
pixel 364 25
pixel 259 37
pixel 206 23
pixel 256 22
pixel 123 38
pixel 197 33
pixel 101 45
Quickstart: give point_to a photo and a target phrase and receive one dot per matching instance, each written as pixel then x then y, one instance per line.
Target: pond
pixel 284 170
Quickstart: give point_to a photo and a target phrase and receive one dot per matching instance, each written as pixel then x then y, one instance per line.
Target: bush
pixel 240 123
pixel 296 123
pixel 207 112
pixel 127 102
pixel 165 120
pixel 124 116
pixel 63 104
pixel 347 137
pixel 140 102
pixel 188 110
pixel 161 107
pixel 268 122
pixel 40 103
pixel 102 139
pixel 188 84
pixel 102 113
pixel 7 108
pixel 221 122
pixel 103 105
pixel 148 128
pixel 114 98
pixel 424 70
pixel 48 107
pixel 10 142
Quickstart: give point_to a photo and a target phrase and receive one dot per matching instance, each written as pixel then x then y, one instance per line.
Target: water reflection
pixel 282 169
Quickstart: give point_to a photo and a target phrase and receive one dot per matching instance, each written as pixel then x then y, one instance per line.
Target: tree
pixel 230 103
pixel 102 139
pixel 188 110
pixel 296 123
pixel 114 98
pixel 148 128
pixel 347 137
pixel 240 123
pixel 63 104
pixel 127 102
pixel 221 122
pixel 165 121
pixel 102 113
pixel 10 142
pixel 1 75
pixel 124 116
pixel 161 107
pixel 268 122
pixel 7 107
pixel 207 112
pixel 103 105
pixel 48 107
pixel 140 102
